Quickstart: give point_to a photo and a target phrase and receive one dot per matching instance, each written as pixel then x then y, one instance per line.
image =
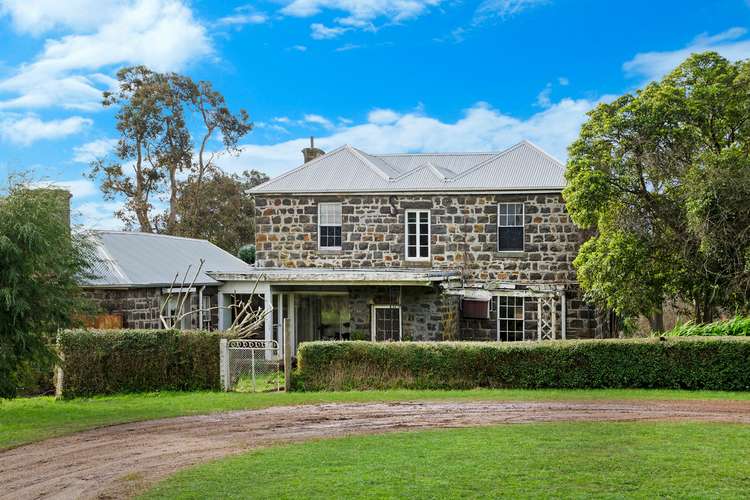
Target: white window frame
pixel 498 318
pixel 429 235
pixel 185 323
pixel 373 322
pixel 340 224
pixel 522 226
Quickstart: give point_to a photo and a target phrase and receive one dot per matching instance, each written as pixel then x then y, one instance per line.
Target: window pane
pixel 510 214
pixel 329 213
pixel 387 323
pixel 510 318
pixel 510 238
pixel 417 234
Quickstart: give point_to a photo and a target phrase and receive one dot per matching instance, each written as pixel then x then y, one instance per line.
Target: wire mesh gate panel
pixel 250 365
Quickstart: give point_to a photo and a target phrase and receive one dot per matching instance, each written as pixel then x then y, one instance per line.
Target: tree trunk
pixel 656 321
pixel 172 218
pixel 140 205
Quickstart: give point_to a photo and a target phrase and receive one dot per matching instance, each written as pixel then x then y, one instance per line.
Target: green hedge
pixel 718 363
pixel 737 327
pixel 112 361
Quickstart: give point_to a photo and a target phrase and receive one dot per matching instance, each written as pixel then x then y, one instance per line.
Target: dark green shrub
pixel 736 327
pixel 690 363
pixel 112 361
pixel 247 254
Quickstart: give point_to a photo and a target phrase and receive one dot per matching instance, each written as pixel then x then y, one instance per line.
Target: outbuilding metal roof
pixel 523 167
pixel 130 260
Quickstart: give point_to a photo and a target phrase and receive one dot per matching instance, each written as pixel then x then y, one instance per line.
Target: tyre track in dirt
pixel 120 460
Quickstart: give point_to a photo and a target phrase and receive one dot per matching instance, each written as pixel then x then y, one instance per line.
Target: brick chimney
pixel 312 152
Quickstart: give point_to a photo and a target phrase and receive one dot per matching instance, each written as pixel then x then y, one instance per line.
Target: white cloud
pixel 245 14
pixel 358 14
pixel 39 16
pixel 98 214
pixel 79 188
pixel 482 128
pixel 654 65
pixel 162 34
pixel 349 46
pixel 281 119
pixel 543 99
pixel 503 9
pixel 487 12
pixel 298 48
pixel 563 81
pixel 86 153
pixel 322 32
pixel 27 129
pixel 359 11
pixel 318 120
pixel 382 116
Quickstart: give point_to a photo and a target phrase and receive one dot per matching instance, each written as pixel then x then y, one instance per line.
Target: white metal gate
pixel 250 365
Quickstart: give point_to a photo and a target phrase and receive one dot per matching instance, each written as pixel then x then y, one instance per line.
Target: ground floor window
pixel 510 314
pixel 386 323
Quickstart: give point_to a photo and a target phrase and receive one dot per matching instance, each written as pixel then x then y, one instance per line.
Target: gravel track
pixel 120 460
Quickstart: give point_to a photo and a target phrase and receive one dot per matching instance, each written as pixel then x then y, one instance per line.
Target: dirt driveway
pixel 120 460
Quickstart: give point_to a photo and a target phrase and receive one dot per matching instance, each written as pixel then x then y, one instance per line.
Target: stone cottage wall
pixel 463 238
pixel 426 313
pixel 140 307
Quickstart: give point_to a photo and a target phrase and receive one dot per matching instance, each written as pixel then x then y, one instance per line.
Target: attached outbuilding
pixel 134 272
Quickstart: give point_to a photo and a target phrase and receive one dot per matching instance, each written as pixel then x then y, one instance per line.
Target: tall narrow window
pixel 329 225
pixel 386 323
pixel 417 235
pixel 510 227
pixel 510 313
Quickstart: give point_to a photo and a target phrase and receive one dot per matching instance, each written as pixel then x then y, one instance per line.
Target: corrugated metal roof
pixel 524 166
pixel 130 259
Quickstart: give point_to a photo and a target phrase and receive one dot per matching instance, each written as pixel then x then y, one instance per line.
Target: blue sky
pixel 382 75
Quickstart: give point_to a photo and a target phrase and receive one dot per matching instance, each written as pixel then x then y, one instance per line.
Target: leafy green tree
pixel 40 265
pixel 218 208
pixel 662 178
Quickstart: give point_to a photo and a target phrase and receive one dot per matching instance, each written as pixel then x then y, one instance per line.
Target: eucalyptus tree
pixel 160 118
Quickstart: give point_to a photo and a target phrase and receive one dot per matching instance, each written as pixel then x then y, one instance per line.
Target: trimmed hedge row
pixel 112 361
pixel 717 363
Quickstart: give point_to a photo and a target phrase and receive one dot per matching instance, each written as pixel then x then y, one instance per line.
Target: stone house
pixel 464 246
pixel 133 273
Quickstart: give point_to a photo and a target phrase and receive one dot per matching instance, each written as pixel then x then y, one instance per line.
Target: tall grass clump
pixel 738 326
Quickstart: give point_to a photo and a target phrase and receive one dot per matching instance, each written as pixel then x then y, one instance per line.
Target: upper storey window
pixel 417 235
pixel 329 225
pixel 510 227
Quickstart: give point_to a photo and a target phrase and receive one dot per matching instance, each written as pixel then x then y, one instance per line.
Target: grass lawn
pixel 599 460
pixel 25 420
